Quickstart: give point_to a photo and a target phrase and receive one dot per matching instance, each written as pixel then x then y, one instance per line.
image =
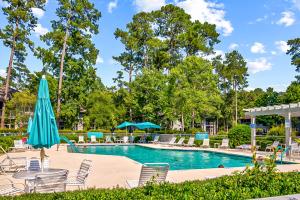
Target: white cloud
pixel 287 19
pixel 99 60
pixel 233 46
pixel 217 53
pixel 39 13
pixel 273 52
pixel 3 3
pixel 258 47
pixel 282 46
pixel 206 11
pixel 112 5
pixel 259 65
pixel 148 5
pixel 296 4
pixel 40 30
pixel 3 73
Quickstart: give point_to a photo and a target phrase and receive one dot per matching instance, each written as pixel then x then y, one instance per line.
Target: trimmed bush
pixel 240 134
pixel 245 185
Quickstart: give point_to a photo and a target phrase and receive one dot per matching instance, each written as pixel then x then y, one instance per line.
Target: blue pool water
pixel 177 159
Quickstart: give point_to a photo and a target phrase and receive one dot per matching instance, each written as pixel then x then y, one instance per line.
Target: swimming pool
pixel 177 159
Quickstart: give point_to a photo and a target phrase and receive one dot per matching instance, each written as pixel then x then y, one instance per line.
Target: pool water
pixel 177 159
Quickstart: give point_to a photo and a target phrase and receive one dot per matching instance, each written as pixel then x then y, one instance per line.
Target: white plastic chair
pixel 156 172
pixel 79 179
pixel 205 143
pixel 190 142
pixel 225 144
pixel 180 142
pixel 172 141
pixel 81 139
pixel 93 139
pixel 125 139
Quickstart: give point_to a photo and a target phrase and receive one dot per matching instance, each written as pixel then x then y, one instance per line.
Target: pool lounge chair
pixel 79 179
pixel 205 143
pixel 190 142
pixel 18 146
pixel 8 187
pixel 12 164
pixel 172 141
pixel 108 139
pixel 225 144
pixel 125 139
pixel 273 146
pixel 180 142
pixel 81 139
pixel 295 148
pixel 156 172
pixel 93 139
pixel 155 140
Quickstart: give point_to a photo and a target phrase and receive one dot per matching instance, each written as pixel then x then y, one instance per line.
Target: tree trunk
pixel 129 89
pixel 182 122
pixel 193 119
pixel 10 65
pixel 61 78
pixel 236 112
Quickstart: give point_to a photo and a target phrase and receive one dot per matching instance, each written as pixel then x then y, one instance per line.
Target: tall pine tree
pixel 71 54
pixel 15 35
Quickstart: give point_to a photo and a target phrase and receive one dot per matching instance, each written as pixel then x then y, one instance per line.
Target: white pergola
pixel 286 110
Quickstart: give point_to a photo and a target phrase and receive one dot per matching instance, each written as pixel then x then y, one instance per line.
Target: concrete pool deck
pixel 112 171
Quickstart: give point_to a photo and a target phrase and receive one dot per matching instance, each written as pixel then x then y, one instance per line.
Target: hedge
pixel 241 186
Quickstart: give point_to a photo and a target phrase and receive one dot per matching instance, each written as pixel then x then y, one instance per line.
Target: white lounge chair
pixel 49 183
pixel 108 139
pixel 18 146
pixel 81 139
pixel 156 172
pixel 190 142
pixel 125 139
pixel 180 142
pixel 295 148
pixel 205 143
pixel 8 187
pixel 79 179
pixel 225 144
pixel 12 164
pixel 155 140
pixel 172 141
pixel 93 139
pixel 273 146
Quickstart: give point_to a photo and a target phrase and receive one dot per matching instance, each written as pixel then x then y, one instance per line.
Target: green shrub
pixel 277 131
pixel 222 133
pixel 252 183
pixel 240 134
pixel 8 141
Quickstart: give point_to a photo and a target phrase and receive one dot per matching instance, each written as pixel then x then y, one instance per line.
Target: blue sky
pixel 258 29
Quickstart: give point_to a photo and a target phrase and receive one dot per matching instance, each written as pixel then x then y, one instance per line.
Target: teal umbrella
pixel 126 124
pixel 147 125
pixel 29 125
pixel 43 132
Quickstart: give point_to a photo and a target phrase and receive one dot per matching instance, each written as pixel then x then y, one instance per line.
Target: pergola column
pixel 288 129
pixel 253 131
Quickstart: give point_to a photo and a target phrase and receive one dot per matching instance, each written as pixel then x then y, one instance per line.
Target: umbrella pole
pixel 42 154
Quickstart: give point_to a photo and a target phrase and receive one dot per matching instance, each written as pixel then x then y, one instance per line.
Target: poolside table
pixel 29 175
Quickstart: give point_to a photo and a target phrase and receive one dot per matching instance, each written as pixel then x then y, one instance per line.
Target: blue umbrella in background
pixel 29 125
pixel 147 125
pixel 126 124
pixel 43 132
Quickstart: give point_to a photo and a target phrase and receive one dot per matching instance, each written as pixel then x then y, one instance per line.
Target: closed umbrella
pixel 29 125
pixel 43 132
